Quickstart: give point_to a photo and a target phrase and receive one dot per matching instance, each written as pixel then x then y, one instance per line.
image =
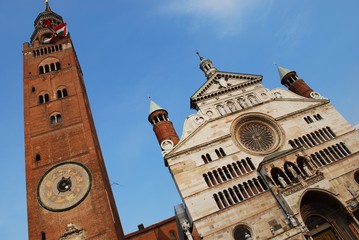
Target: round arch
pixel 279 177
pixel 242 232
pixel 326 217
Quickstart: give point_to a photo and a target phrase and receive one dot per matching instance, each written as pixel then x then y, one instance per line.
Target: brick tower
pixel 68 191
pixel 295 84
pixel 163 127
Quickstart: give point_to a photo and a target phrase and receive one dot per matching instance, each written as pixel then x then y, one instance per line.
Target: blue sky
pixel 129 49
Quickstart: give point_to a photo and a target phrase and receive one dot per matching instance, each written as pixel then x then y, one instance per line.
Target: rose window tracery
pixel 256 136
pixel 258 133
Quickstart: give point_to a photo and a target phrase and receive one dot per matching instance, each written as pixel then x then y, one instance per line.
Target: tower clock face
pixel 64 186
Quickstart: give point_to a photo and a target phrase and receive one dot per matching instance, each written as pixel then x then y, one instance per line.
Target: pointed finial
pixel 47 5
pixel 199 55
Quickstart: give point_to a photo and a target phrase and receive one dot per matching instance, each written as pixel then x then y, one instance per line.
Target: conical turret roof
pixel 282 71
pixel 154 107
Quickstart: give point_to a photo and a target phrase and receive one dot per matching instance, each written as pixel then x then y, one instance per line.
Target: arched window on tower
pixel 52 67
pixel 47 68
pixel 43 98
pixel 41 70
pixel 61 93
pixel 55 118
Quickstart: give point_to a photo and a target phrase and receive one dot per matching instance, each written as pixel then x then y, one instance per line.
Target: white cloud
pixel 227 17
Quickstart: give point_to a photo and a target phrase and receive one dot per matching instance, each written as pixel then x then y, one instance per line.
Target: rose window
pixel 256 137
pixel 257 134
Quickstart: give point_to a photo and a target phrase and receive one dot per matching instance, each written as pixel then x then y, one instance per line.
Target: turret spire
pixel 206 66
pixel 282 71
pixel 154 106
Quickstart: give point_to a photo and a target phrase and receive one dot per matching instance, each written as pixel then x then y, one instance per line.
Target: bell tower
pixel 68 190
pixel 162 127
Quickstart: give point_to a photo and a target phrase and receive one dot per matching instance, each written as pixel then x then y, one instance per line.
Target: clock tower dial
pixel 64 186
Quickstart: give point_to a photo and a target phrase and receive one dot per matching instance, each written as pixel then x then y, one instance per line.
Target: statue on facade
pixel 292 220
pixel 231 106
pixel 292 171
pixel 186 229
pixel 282 181
pixel 243 103
pixel 306 170
pixel 221 110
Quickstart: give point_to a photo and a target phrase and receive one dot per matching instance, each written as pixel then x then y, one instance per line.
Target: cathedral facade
pixel 254 163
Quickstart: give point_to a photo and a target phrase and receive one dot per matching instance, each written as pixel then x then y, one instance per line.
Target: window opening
pixel 41 99
pixel 55 119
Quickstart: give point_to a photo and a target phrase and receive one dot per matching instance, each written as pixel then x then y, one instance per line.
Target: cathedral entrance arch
pixel 326 218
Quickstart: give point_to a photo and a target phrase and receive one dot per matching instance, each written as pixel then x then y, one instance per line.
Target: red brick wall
pixel 74 139
pixel 301 88
pixel 158 231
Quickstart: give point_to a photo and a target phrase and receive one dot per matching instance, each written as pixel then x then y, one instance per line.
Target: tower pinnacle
pixel 199 55
pixel 47 9
pixel 206 66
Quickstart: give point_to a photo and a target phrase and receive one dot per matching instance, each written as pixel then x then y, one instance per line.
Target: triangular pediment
pixel 224 82
pixel 195 132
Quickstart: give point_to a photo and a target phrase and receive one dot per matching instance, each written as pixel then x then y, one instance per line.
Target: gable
pixel 223 83
pixel 209 130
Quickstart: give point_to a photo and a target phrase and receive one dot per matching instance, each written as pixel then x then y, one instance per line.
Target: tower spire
pixel 47 6
pixel 199 55
pixel 40 32
pixel 206 66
